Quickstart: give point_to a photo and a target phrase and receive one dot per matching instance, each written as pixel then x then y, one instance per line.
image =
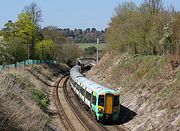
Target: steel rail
pixel 62 114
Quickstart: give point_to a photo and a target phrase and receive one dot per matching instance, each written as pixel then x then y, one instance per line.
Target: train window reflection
pixel 101 100
pixel 82 91
pixel 94 100
pixel 116 101
pixel 88 96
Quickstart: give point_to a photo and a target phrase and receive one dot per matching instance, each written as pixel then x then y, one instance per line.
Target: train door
pixel 108 103
pixel 93 105
pixel 93 101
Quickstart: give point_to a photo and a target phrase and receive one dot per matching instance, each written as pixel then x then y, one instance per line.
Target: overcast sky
pixel 70 13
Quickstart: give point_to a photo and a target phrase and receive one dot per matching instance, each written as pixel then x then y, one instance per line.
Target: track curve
pixel 64 96
pixel 61 113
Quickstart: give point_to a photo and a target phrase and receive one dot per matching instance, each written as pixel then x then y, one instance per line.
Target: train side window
pixel 82 91
pixel 77 87
pixel 116 101
pixel 74 83
pixel 71 80
pixel 94 100
pixel 88 96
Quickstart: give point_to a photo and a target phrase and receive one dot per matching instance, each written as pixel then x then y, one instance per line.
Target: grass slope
pixel 24 97
pixel 149 87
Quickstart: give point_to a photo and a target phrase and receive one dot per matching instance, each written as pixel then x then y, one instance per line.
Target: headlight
pixel 100 110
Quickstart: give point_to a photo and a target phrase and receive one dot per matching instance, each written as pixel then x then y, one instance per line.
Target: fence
pixel 26 62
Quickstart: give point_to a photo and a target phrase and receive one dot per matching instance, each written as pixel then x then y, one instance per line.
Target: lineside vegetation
pixel 26 39
pixel 148 29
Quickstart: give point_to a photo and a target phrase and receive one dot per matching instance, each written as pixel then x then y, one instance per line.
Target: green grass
pixel 86 45
pixel 41 98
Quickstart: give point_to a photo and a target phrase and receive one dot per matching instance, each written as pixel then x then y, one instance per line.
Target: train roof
pixel 78 77
pixel 75 72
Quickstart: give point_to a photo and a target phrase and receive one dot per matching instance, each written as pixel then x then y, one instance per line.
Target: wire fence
pixel 25 63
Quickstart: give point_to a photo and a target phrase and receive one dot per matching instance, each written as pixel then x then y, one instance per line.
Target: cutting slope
pixel 25 98
pixel 150 89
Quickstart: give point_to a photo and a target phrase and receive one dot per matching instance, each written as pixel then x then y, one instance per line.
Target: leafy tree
pixel 45 50
pixel 90 50
pixel 18 35
pixel 93 30
pixel 25 27
pixel 22 28
pixel 25 31
pixel 122 32
pixel 87 30
pixel 12 51
pixel 5 57
pixel 147 29
pixel 9 31
pixel 53 33
pixel 36 16
pixel 17 49
pixel 68 53
pixel 176 30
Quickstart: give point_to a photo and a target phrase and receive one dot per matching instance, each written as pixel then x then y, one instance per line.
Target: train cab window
pixel 94 100
pixel 101 100
pixel 116 101
pixel 88 95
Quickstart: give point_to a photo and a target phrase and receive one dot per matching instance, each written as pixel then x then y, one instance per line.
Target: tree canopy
pixel 53 33
pixel 145 29
pixel 45 49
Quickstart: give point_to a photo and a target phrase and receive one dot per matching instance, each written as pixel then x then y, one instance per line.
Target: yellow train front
pixel 103 102
pixel 107 106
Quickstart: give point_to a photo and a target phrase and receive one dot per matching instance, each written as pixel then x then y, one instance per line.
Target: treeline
pixel 88 35
pixel 25 39
pixel 148 29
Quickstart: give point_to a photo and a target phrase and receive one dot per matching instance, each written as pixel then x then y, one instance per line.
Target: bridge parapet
pixel 86 62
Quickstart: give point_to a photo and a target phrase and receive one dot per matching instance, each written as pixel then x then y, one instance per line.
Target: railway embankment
pixel 25 97
pixel 149 89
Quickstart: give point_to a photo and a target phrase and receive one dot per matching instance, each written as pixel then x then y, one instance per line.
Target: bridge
pixel 86 62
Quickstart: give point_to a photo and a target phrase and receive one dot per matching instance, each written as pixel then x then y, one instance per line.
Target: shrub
pixel 90 50
pixel 41 98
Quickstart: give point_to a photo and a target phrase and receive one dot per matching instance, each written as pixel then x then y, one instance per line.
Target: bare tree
pixel 154 6
pixel 35 12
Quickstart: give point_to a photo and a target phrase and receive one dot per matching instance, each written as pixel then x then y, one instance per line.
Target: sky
pixel 70 13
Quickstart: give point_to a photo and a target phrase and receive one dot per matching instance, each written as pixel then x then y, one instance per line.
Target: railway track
pixel 68 118
pixel 115 128
pixel 76 117
pixel 90 124
pixel 84 115
pixel 61 113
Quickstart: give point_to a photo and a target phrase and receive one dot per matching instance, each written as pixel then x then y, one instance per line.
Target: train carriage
pixel 103 102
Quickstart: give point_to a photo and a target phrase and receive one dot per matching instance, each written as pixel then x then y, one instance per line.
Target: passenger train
pixel 102 102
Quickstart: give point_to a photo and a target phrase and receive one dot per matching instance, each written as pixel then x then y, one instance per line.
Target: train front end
pixel 108 107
